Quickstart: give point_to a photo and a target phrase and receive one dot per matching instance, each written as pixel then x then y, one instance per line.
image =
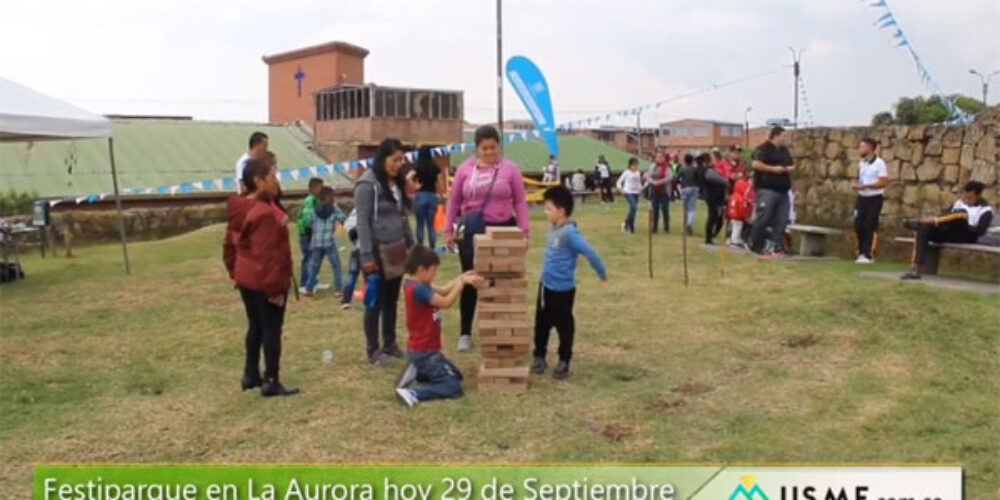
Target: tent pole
pixel 118 204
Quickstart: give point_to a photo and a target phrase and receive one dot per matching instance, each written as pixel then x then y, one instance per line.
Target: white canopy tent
pixel 27 116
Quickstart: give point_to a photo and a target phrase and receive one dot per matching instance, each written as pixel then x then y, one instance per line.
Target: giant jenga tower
pixel 503 314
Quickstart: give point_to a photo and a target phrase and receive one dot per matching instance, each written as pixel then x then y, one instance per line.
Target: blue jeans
pixel 690 196
pixel 633 205
pixel 353 271
pixel 314 262
pixel 305 241
pixel 437 378
pixel 661 204
pixel 425 207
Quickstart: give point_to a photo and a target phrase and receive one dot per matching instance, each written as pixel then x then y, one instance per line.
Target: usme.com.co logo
pixel 748 489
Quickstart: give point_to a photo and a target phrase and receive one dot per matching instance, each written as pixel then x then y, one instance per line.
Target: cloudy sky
pixel 203 58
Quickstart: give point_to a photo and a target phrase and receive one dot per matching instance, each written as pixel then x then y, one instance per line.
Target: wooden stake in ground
pixel 684 251
pixel 649 243
pixel 722 251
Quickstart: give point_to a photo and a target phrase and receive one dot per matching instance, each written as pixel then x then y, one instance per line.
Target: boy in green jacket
pixel 303 219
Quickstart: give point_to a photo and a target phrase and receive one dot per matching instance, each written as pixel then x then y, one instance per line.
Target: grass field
pixel 775 362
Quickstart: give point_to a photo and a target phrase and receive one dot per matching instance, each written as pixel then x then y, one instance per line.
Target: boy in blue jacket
pixel 557 289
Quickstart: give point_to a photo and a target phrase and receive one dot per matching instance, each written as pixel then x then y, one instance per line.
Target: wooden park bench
pixel 813 241
pixel 934 252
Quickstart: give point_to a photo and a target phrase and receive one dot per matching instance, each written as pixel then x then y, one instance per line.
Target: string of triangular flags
pixel 229 183
pixel 888 20
pixel 622 113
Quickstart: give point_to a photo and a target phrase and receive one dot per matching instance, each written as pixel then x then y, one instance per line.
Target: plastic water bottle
pixel 371 290
pixel 327 357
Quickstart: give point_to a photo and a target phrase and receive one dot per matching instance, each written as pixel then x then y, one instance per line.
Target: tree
pixel 920 109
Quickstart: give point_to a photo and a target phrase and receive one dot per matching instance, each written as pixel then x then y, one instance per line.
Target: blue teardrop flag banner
pixel 530 86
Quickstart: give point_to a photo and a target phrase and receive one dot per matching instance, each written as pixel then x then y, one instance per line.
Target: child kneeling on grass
pixel 557 289
pixel 428 374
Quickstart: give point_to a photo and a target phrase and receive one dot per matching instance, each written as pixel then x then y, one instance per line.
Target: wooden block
pixel 506 340
pixel 505 350
pixel 505 324
pixel 520 243
pixel 503 308
pixel 504 362
pixel 500 252
pixel 504 233
pixel 514 372
pixel 508 283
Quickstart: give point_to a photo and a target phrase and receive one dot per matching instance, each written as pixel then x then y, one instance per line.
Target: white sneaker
pixel 863 260
pixel 302 290
pixel 345 306
pixel 624 229
pixel 323 286
pixel 407 376
pixel 406 397
pixel 464 343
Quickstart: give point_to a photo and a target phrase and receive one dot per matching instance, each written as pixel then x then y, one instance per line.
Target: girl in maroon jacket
pixel 259 260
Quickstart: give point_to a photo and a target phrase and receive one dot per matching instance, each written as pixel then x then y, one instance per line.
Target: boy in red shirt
pixel 438 378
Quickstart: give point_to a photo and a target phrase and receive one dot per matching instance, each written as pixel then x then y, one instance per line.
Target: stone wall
pixel 927 166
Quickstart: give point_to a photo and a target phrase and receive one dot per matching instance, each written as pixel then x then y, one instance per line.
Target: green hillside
pixel 575 152
pixel 149 153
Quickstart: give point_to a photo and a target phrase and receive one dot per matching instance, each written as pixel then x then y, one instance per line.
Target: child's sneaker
pixel 322 286
pixel 345 305
pixel 407 376
pixel 381 359
pixel 406 397
pixel 561 371
pixel 538 366
pixel 339 295
pixel 464 343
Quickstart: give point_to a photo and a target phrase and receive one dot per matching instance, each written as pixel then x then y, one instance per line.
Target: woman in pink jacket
pixel 487 191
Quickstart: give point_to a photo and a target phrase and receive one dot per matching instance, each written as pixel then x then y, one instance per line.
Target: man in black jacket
pixel 771 163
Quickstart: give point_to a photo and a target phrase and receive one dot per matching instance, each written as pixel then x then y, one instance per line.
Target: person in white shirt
pixel 603 173
pixel 551 171
pixel 258 145
pixel 578 182
pixel 872 179
pixel 630 184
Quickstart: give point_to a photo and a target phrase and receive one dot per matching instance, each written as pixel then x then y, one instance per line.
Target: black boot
pixel 250 381
pixel 271 387
pixel 538 366
pixel 561 371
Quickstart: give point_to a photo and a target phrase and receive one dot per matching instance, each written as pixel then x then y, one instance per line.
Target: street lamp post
pixel 746 127
pixel 796 70
pixel 985 80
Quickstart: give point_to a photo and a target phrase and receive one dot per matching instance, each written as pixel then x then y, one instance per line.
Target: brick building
pixel 293 77
pixel 691 135
pixel 624 138
pixel 323 87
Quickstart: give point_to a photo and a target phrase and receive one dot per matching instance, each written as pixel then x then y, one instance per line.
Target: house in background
pixel 624 138
pixel 694 136
pixel 322 88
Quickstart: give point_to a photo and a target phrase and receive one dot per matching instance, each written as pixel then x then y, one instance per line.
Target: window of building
pixel 362 102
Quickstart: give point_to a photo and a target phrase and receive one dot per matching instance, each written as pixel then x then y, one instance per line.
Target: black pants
pixel 716 202
pixel 554 310
pixel 264 321
pixel 866 222
pixel 467 256
pixel 607 194
pixel 953 231
pixel 384 312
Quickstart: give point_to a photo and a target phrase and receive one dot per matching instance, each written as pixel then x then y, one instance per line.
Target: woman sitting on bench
pixel 965 222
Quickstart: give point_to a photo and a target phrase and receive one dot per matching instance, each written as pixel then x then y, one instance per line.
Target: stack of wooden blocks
pixel 503 313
